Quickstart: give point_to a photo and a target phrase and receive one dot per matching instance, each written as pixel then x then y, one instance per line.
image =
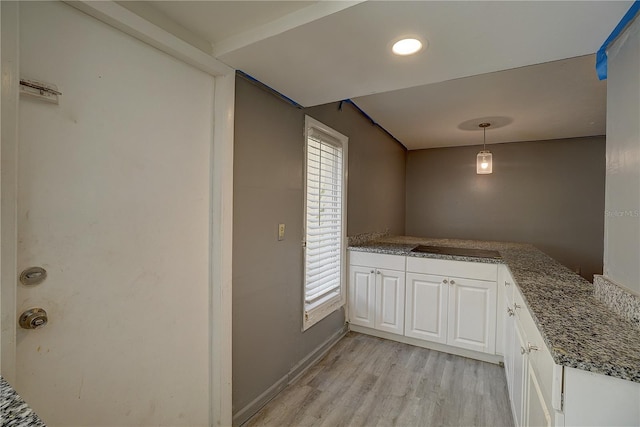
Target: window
pixel 325 221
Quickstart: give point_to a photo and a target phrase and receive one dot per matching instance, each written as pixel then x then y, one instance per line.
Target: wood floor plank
pixel 369 381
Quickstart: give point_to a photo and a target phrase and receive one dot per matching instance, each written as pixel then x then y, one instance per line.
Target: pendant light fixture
pixel 484 164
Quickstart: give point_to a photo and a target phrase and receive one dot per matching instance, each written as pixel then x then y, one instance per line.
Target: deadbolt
pixel 33 276
pixel 34 318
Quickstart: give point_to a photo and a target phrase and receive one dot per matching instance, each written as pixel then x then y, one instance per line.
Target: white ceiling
pixel 218 20
pixel 560 99
pixel 319 52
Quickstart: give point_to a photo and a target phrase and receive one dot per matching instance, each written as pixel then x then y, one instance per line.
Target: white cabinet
pixel 472 314
pixel 362 289
pixel 389 313
pixel 519 378
pixel 531 405
pixel 426 307
pixel 537 411
pixel 545 394
pixel 506 344
pixel 530 370
pixel 451 309
pixel 505 293
pixel 376 291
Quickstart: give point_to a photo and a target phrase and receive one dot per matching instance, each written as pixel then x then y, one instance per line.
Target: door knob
pixel 34 318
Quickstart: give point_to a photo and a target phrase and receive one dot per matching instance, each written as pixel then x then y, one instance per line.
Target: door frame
pixel 221 185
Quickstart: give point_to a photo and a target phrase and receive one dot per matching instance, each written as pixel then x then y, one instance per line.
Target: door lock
pixel 33 276
pixel 34 318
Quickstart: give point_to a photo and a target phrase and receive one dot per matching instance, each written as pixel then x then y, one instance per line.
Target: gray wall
pixel 376 198
pixel 268 341
pixel 548 193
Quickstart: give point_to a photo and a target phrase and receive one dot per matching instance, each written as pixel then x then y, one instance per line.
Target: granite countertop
pixel 579 330
pixel 14 412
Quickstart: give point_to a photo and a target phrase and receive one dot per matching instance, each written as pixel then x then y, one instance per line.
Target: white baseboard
pixel 244 414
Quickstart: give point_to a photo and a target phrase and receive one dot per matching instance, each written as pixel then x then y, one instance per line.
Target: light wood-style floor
pixel 367 381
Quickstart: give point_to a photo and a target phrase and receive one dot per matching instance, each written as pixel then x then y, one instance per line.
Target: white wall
pixel 622 200
pixel 114 201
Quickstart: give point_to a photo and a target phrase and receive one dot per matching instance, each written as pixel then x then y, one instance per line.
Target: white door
pixel 472 314
pixel 390 301
pixel 113 201
pixel 362 289
pixel 426 307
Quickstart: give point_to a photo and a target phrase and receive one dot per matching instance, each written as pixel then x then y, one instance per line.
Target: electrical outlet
pixel 280 231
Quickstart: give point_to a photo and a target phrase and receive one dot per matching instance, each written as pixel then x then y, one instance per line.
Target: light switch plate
pixel 280 231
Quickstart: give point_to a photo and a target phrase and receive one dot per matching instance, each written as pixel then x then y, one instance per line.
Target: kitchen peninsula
pixel 558 340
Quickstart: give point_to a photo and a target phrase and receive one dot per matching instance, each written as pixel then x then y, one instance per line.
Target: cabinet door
pixel 505 293
pixel 509 345
pixel 537 412
pixel 389 315
pixel 520 365
pixel 472 314
pixel 362 290
pixel 426 307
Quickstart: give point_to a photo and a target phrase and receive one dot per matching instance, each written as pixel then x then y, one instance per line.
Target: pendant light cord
pixel 484 139
pixel 484 127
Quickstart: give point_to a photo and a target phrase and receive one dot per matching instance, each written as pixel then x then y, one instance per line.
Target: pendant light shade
pixel 484 160
pixel 484 164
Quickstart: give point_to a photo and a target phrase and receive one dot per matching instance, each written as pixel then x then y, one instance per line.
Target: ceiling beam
pixel 130 23
pixel 295 19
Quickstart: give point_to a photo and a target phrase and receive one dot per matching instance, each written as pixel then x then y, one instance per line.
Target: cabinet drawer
pixel 442 267
pixel 390 262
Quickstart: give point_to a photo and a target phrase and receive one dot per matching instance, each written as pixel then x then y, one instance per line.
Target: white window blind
pixel 324 226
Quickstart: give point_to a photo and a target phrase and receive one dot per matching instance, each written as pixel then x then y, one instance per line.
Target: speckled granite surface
pixel 579 329
pixel 14 412
pixel 359 239
pixel 618 299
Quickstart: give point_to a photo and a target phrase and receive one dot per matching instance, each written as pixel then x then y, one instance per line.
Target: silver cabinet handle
pixel 532 347
pixel 507 283
pixel 378 272
pixel 522 350
pixel 373 271
pixel 445 281
pixel 510 312
pixel 452 282
pixel 516 306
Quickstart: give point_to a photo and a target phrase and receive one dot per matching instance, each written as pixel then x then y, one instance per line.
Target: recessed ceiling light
pixel 406 47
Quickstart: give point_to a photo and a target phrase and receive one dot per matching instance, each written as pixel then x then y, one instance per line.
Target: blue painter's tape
pixel 269 89
pixel 601 55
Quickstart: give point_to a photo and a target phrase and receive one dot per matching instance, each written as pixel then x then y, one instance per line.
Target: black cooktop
pixel 466 252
